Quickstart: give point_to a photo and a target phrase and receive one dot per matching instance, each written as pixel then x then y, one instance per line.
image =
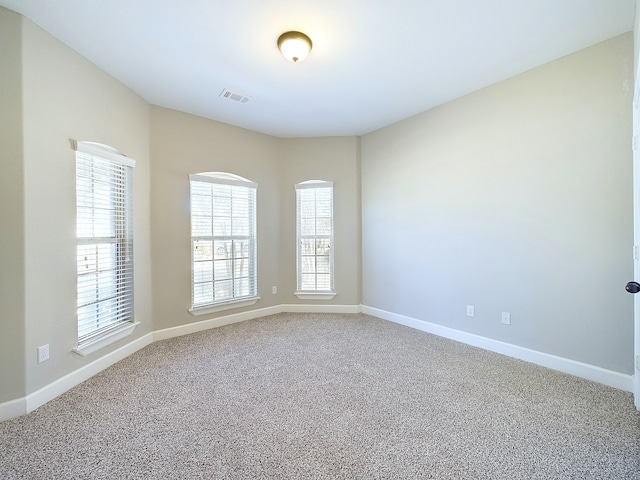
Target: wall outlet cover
pixel 43 353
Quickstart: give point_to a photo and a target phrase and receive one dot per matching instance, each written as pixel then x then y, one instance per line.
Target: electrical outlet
pixel 274 290
pixel 471 311
pixel 506 318
pixel 43 353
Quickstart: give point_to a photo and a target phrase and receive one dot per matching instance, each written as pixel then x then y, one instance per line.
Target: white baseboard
pixel 24 405
pixel 295 308
pixel 61 385
pixel 250 315
pixel 572 367
pixel 213 323
pixel 13 408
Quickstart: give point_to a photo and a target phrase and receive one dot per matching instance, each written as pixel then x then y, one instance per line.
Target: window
pixel 223 241
pixel 104 241
pixel 314 218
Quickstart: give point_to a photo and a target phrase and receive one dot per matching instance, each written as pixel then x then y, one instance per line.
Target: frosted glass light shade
pixel 295 46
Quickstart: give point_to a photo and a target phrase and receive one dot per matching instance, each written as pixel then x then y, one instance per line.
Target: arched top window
pixel 223 241
pixel 314 227
pixel 224 178
pixel 101 151
pixel 314 184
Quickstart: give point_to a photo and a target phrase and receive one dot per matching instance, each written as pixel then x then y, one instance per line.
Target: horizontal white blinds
pixel 223 240
pixel 314 206
pixel 104 242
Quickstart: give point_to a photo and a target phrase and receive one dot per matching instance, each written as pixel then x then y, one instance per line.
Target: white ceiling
pixel 373 62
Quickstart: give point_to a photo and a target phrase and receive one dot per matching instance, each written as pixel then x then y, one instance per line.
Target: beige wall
pixel 515 198
pixel 334 159
pixel 183 144
pixel 65 96
pixel 12 287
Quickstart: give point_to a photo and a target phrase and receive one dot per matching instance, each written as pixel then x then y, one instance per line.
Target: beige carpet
pixel 325 396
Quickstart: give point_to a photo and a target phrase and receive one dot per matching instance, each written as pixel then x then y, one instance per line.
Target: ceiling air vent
pixel 236 97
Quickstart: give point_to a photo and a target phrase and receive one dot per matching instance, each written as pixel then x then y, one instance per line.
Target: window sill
pixel 315 295
pixel 106 339
pixel 245 302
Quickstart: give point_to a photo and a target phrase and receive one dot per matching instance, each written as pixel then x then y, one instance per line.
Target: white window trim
pixel 219 307
pixel 104 151
pixel 225 178
pixel 315 295
pixel 107 338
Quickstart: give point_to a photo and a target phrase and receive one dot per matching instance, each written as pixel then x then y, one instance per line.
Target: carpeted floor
pixel 325 396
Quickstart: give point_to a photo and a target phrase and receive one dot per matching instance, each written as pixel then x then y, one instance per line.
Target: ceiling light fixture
pixel 295 46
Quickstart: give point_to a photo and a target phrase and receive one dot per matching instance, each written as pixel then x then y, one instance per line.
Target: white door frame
pixel 636 235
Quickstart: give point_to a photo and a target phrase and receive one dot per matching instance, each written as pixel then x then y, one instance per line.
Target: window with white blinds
pixel 314 200
pixel 223 239
pixel 104 240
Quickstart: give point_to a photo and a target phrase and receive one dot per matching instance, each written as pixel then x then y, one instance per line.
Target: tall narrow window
pixel 223 241
pixel 104 240
pixel 314 200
